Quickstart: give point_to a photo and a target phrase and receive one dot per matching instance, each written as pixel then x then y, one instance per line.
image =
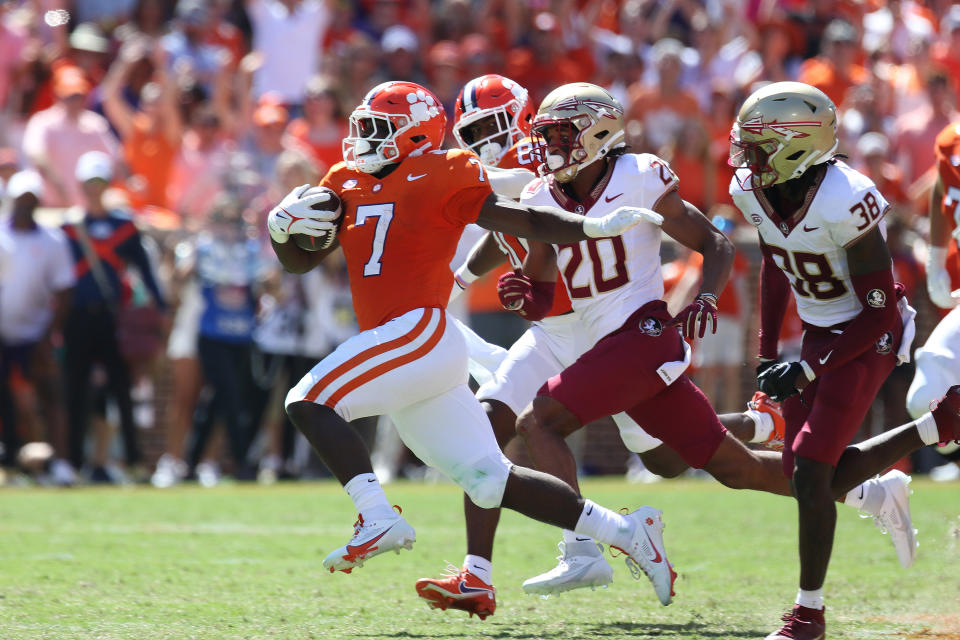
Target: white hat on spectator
pixel 873 143
pixel 87 36
pixel 665 47
pixel 951 21
pixel 94 165
pixel 398 37
pixel 24 182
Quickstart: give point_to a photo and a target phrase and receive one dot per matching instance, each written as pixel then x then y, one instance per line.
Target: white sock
pixel 810 599
pixel 763 424
pixel 573 536
pixel 927 428
pixel 605 525
pixel 868 497
pixel 480 567
pixel 368 496
pixel 856 496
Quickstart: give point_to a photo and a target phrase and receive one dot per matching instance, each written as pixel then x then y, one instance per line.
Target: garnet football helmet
pixel 577 124
pixel 782 130
pixel 395 120
pixel 508 108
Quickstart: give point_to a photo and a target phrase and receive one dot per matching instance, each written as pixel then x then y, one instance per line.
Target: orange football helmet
pixel 507 105
pixel 396 119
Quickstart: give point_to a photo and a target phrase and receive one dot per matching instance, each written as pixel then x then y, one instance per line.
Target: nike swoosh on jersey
pixel 465 589
pixel 411 177
pixel 609 199
pixel 824 359
pixel 806 228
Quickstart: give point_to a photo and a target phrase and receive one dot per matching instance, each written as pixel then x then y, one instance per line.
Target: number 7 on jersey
pixel 384 215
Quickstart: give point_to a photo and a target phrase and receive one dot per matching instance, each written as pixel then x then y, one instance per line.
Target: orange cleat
pixel 761 402
pixel 459 589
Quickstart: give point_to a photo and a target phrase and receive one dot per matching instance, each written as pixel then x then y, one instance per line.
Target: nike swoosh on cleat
pixel 365 548
pixel 654 547
pixel 465 589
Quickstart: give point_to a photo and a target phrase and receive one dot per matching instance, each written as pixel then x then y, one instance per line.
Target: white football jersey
pixel 610 278
pixel 810 247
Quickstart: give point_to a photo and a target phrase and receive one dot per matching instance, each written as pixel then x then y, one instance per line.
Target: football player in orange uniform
pixel 404 205
pixel 937 359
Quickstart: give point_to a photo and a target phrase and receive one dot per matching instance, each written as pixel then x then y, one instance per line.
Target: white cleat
pixel 371 538
pixel 581 564
pixel 894 517
pixel 647 554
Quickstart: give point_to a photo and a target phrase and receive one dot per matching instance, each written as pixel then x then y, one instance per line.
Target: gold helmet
pixel 577 124
pixel 782 130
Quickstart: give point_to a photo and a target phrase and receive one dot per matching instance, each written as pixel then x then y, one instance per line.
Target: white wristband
pixel 936 258
pixel 807 371
pixel 463 276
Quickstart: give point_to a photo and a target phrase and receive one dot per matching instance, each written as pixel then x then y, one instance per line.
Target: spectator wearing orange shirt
pixel 663 109
pixel 916 131
pixel 197 175
pixel 151 134
pixel 946 52
pixel 320 131
pixel 551 58
pixel 835 70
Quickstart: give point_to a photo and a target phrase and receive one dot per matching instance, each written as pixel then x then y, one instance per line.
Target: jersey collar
pixel 787 225
pixel 571 204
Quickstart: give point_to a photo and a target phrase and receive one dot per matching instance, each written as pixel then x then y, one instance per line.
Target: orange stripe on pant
pixel 390 365
pixel 367 354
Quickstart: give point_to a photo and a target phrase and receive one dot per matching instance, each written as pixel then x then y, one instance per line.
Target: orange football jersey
pixel 524 155
pixel 948 166
pixel 399 233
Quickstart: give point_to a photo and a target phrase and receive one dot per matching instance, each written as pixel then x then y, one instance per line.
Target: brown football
pixel 316 243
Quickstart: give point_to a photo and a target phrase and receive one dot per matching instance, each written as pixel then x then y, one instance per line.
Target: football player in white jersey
pixel 492 113
pixel 821 234
pixel 555 341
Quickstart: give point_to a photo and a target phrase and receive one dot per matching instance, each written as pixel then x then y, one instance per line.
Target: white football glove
pixel 938 280
pixel 613 224
pixel 295 215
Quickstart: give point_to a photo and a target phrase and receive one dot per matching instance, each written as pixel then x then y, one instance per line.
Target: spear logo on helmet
pixel 757 125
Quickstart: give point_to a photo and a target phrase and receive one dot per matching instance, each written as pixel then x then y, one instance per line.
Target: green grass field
pixel 245 562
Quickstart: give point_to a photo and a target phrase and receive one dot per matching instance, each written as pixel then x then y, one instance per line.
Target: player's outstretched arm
pixel 687 225
pixel 554 225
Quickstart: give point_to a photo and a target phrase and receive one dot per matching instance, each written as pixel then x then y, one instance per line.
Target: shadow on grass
pixel 635 630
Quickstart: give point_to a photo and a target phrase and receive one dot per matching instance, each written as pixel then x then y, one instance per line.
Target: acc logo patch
pixel 885 343
pixel 651 327
pixel 876 298
pixel 756 219
pixel 349 184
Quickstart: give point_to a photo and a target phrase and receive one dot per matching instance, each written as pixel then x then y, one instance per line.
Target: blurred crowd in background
pixel 149 138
